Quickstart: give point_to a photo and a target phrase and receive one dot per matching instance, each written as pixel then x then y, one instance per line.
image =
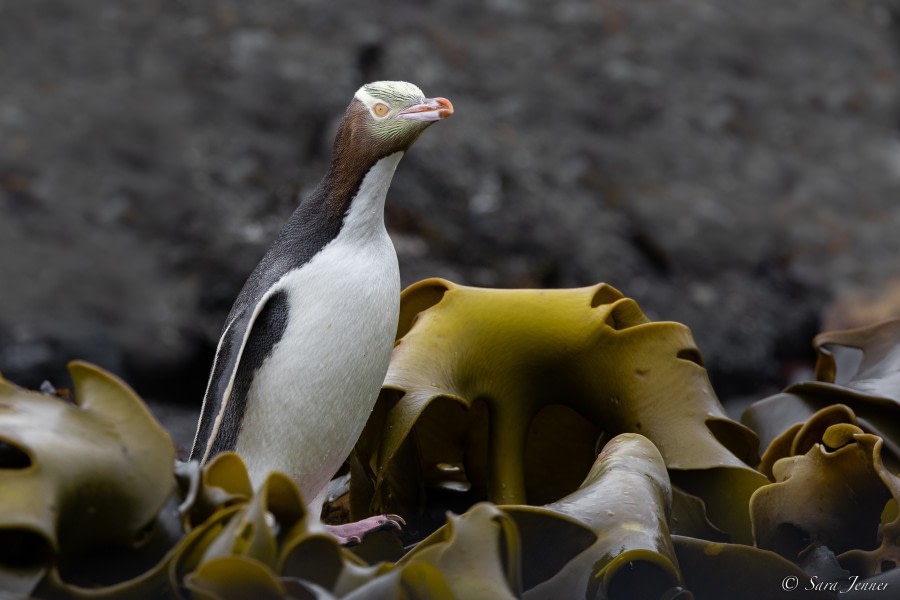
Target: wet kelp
pixel 833 460
pixel 832 495
pixel 579 446
pixel 858 368
pixel 625 501
pixel 833 456
pixel 505 394
pixel 77 477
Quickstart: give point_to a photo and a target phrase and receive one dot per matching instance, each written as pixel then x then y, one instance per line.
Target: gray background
pixel 733 165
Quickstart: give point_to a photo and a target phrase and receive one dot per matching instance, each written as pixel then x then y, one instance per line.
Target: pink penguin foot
pixel 351 534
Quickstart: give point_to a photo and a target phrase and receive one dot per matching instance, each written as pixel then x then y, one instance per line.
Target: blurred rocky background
pixel 734 165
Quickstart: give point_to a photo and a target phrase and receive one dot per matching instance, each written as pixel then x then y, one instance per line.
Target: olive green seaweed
pixel 713 570
pixel 77 477
pixel 234 577
pixel 477 552
pixel 833 455
pixel 859 368
pixel 830 497
pixel 833 491
pixel 507 395
pixel 541 444
pixel 623 550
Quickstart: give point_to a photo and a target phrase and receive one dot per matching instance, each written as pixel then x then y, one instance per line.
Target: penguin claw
pixel 351 534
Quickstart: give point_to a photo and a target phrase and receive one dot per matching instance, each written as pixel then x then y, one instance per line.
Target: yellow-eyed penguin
pixel 307 343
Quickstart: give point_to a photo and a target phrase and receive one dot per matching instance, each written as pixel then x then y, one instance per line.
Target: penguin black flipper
pixel 244 346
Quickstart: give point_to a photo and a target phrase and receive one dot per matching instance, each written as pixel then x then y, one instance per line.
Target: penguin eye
pixel 381 109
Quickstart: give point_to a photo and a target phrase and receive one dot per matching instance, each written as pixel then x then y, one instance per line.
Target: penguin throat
pixel 365 212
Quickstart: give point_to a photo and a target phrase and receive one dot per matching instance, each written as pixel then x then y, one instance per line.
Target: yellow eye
pixel 381 109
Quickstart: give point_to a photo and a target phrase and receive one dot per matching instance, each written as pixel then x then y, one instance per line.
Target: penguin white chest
pixel 310 398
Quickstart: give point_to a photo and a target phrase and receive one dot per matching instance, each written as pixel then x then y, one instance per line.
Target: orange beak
pixel 432 109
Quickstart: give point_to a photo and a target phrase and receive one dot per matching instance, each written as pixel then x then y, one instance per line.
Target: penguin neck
pixel 363 212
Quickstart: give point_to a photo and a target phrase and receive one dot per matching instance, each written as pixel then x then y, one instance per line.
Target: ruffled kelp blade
pixel 507 395
pixel 609 538
pixel 859 368
pixel 832 456
pixel 715 570
pixel 90 507
pixel 77 477
pixel 832 490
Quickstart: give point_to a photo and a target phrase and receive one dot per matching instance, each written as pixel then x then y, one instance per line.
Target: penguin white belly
pixel 310 398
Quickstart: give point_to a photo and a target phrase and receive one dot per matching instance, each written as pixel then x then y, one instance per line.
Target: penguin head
pixel 388 116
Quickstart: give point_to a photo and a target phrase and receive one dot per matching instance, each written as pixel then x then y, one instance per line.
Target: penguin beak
pixel 432 109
